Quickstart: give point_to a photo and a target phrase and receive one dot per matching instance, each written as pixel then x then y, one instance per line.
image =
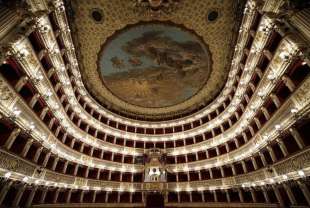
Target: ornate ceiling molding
pixel 193 15
pixel 155 8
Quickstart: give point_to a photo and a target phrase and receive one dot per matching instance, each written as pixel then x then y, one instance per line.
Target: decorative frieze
pixel 11 163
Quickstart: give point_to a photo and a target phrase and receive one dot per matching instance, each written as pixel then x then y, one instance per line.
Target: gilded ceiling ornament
pixel 212 15
pixel 155 7
pixel 117 17
pixel 97 15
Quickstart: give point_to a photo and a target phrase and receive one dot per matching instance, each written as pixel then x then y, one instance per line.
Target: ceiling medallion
pixel 97 15
pixel 212 15
pixel 155 7
pixel 155 64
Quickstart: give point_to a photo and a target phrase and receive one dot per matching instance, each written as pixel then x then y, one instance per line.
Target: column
pixel 94 197
pixel 215 196
pixel 257 122
pixel 50 72
pixel 278 195
pixel 211 174
pixel 276 100
pixel 37 155
pixel 76 169
pixel 282 147
pixel 265 195
pixel 98 174
pixel 20 83
pixel 245 138
pixel 230 122
pixel 227 196
pixel 289 83
pixel 119 197
pixel 51 123
pixel 263 159
pixel 240 195
pixel 34 100
pixel 9 142
pixel 207 154
pixel 92 152
pixel 290 194
pixel 81 197
pixel 272 155
pixel 43 113
pixel 251 130
pixel 68 198
pixel 26 147
pixel 253 195
pixel 305 191
pixel 4 189
pixel 203 197
pixel 72 143
pixel 268 54
pixel 43 195
pixel 56 196
pixel 166 197
pixel 297 137
pixel 259 72
pixel 266 113
pixel 244 167
pixel 233 169
pixel 55 163
pixel 107 197
pixel 18 195
pixel 47 157
pixel 82 147
pixel 254 163
pixel 86 172
pixel 64 170
pixel 41 54
pixel 57 131
pixel 227 147
pixel 222 172
pixel 251 85
pixel 236 142
pixel 130 197
pixel 246 98
pixel 31 195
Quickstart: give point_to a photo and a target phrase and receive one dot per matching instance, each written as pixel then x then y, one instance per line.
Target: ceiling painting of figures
pixel 154 64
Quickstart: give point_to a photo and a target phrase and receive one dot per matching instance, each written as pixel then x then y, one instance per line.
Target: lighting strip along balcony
pixel 81 85
pixel 46 21
pixel 276 68
pixel 61 19
pixel 283 119
pixel 285 116
pixel 127 150
pixel 22 52
pixel 49 39
pixel 92 140
pixel 180 122
pixel 24 55
pixel 13 107
pixel 182 152
pixel 17 104
pixel 293 168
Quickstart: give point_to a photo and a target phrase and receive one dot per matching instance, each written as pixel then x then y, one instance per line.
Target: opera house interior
pixel 84 122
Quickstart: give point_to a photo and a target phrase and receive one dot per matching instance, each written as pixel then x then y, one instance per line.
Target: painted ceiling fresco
pixel 154 64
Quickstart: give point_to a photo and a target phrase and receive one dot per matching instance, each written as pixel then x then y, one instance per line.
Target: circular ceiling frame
pixel 155 23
